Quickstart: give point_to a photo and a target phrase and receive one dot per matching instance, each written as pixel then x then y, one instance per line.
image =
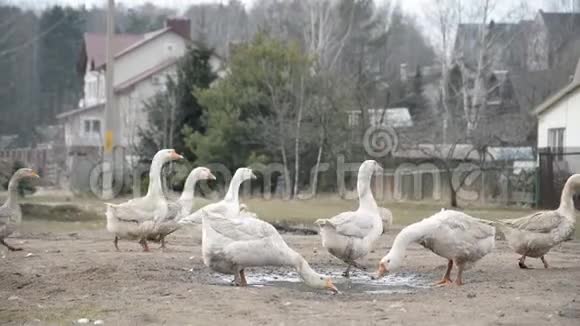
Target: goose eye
pixel 321 278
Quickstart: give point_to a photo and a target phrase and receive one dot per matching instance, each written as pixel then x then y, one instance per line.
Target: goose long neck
pixel 234 190
pixel 155 187
pixel 189 188
pixel 408 235
pixel 12 199
pixel 303 268
pixel 567 200
pixel 365 194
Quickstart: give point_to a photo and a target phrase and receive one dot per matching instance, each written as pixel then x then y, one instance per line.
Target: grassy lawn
pixel 308 211
pixel 273 210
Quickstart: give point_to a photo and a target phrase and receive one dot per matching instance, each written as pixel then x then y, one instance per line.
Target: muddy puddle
pixel 396 283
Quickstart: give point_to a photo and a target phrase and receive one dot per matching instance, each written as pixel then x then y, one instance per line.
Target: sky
pixel 414 7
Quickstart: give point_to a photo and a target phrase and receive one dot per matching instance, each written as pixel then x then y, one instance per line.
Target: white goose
pixel 135 219
pixel 534 235
pixel 180 208
pixel 230 205
pixel 10 213
pixel 232 243
pixel 351 235
pixel 453 235
pixel 387 217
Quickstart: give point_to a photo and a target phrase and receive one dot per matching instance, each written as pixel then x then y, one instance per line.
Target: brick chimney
pixel 181 26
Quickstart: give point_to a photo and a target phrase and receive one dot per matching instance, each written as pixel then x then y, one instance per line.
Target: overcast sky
pixel 415 6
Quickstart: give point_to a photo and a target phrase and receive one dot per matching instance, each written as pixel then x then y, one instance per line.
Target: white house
pixel 394 117
pixel 142 65
pixel 559 122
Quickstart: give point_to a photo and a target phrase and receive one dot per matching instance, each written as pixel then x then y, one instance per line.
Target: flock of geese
pixel 233 238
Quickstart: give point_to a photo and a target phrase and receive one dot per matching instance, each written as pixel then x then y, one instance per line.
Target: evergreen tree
pixel 18 71
pixel 60 84
pixel 176 108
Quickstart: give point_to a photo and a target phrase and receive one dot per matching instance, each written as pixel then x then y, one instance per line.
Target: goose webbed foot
pixel 239 279
pixel 446 280
pixel 116 243
pixel 545 262
pixel 9 246
pixel 346 273
pixel 459 278
pixel 243 278
pixel 162 247
pixel 522 263
pixel 144 244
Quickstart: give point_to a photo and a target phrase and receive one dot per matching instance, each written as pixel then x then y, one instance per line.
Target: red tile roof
pixel 95 46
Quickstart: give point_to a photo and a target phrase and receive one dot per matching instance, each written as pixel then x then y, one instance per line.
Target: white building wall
pixel 132 105
pixel 149 55
pixel 94 89
pixel 564 114
pixel 74 128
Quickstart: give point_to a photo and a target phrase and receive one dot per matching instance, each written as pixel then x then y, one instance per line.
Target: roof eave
pixel 556 98
pixel 142 42
pixel 68 114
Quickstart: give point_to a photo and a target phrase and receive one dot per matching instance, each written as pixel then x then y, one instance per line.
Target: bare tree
pixel 564 5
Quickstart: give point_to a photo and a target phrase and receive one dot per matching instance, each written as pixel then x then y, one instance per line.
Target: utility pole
pixel 111 113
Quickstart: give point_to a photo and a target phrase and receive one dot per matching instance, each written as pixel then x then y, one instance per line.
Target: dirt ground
pixel 63 276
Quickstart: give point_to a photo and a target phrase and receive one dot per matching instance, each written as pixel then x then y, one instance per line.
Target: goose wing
pixel 173 212
pixel 541 222
pixel 460 222
pixel 218 209
pixel 5 214
pixel 350 224
pixel 128 212
pixel 243 227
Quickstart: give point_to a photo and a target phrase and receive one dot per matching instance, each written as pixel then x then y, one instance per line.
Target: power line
pixel 35 39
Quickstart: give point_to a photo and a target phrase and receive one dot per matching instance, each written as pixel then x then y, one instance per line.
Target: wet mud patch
pixel 359 282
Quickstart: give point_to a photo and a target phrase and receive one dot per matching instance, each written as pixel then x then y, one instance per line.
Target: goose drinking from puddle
pixel 180 208
pixel 136 218
pixel 230 205
pixel 534 235
pixel 10 213
pixel 453 235
pixel 232 243
pixel 350 235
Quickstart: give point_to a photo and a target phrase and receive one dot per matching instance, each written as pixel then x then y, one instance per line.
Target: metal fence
pixel 555 168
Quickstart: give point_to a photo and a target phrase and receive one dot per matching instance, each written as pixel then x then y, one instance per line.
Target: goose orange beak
pixel 382 271
pixel 175 156
pixel 33 175
pixel 330 286
pixel 211 176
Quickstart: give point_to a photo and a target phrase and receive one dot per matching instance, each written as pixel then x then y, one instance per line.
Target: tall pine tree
pixel 60 84
pixel 163 130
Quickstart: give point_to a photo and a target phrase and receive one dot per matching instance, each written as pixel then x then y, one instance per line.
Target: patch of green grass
pixel 308 211
pixel 62 212
pixel 91 211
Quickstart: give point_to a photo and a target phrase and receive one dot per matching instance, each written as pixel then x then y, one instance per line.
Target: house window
pixel 91 127
pixel 556 142
pixel 353 118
